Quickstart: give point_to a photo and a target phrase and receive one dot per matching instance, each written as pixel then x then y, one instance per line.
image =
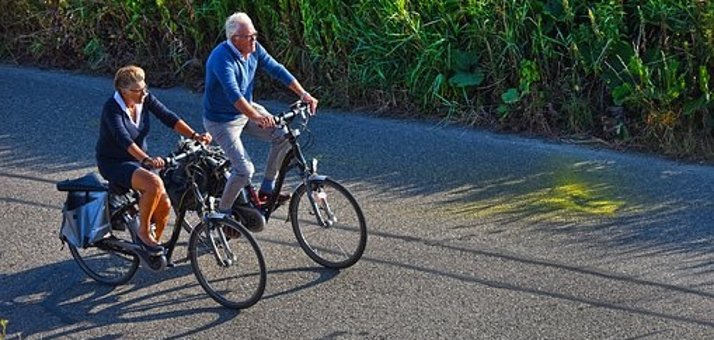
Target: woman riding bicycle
pixel 121 150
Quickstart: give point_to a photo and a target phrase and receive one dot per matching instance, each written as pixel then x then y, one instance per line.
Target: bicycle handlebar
pixel 195 147
pixel 298 109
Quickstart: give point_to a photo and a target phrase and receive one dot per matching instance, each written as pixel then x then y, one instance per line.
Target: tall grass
pixel 630 72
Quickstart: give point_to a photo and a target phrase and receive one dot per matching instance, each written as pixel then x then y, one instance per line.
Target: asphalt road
pixel 472 235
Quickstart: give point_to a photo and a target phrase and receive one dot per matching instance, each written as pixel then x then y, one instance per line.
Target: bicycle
pixel 225 258
pixel 326 218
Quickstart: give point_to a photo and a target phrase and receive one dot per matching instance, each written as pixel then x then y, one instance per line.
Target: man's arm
pixel 305 96
pixel 249 111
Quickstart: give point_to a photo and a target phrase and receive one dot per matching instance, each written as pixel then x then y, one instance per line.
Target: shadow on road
pixel 79 304
pixel 599 202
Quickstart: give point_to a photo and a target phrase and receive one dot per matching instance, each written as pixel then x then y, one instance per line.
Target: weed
pixel 541 65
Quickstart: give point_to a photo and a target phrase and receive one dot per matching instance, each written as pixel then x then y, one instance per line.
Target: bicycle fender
pixel 318 178
pixel 214 217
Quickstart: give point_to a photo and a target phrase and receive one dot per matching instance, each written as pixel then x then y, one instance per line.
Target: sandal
pixel 148 246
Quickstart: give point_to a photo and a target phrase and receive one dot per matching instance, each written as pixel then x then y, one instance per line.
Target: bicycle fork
pixel 319 204
pixel 219 242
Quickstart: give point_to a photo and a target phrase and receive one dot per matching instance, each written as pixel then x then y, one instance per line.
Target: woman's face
pixel 137 92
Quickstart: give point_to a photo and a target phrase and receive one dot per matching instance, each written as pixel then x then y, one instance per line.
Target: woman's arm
pixel 184 130
pixel 166 116
pixel 112 118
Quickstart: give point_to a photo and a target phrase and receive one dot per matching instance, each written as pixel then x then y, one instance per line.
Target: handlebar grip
pixel 170 161
pixel 298 108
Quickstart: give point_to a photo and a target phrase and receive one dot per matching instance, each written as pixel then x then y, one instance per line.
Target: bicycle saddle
pixel 89 182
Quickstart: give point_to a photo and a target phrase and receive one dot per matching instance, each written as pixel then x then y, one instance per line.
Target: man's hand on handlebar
pixel 265 121
pixel 311 101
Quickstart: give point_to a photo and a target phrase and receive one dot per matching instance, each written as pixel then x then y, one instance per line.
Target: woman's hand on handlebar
pixel 154 162
pixel 204 138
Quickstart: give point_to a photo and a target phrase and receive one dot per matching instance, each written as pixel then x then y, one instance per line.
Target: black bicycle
pixel 326 218
pixel 225 257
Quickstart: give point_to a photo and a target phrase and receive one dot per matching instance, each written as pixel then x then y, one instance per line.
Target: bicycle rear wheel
pixel 333 232
pixel 228 263
pixel 106 263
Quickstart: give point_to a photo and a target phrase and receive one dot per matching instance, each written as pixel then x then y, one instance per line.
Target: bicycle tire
pixel 105 264
pixel 238 280
pixel 336 246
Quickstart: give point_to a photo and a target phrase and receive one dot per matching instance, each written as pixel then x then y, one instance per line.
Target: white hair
pixel 235 21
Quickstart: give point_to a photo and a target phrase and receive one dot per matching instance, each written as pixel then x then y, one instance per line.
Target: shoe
pixel 152 248
pixel 282 198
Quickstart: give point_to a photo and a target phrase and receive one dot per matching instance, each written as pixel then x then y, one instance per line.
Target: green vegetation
pixel 634 73
pixel 3 325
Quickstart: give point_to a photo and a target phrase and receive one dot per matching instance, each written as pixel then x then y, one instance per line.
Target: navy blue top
pixel 117 131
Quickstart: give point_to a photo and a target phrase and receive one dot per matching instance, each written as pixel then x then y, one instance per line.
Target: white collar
pixel 235 50
pixel 122 104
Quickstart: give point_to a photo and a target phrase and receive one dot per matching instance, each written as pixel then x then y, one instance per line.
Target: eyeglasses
pixel 143 90
pixel 253 36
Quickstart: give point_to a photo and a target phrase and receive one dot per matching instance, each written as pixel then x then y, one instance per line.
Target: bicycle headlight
pixel 313 166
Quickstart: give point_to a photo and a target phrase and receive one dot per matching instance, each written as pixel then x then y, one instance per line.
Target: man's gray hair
pixel 235 21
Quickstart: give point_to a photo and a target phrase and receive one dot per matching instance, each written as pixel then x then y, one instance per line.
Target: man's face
pixel 245 38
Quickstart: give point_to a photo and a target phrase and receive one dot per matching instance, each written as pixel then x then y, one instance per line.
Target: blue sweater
pixel 117 132
pixel 230 77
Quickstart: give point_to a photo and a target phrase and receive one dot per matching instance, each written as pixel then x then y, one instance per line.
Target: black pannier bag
pixel 178 188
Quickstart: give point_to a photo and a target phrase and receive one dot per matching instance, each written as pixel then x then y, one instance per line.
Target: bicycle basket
pixel 178 189
pixel 84 218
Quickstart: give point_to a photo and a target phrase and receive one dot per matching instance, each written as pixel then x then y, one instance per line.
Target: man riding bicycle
pixel 229 108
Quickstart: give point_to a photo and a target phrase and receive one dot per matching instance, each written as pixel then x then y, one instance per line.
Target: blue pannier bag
pixel 85 218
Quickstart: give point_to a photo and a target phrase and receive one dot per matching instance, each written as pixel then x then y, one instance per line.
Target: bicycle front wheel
pixel 329 226
pixel 228 263
pixel 106 263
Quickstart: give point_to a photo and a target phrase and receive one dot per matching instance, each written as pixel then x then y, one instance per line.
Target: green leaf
pixel 555 9
pixel 638 69
pixel 511 96
pixel 463 79
pixel 704 82
pixel 694 105
pixel 528 71
pixel 463 61
pixel 503 111
pixel 621 93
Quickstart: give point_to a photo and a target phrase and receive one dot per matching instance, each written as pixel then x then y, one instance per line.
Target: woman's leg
pixel 161 214
pixel 152 190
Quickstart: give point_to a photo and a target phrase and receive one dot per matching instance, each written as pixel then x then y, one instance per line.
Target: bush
pixel 630 72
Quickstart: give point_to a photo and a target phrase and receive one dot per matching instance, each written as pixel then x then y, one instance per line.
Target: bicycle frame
pixel 308 172
pixel 208 208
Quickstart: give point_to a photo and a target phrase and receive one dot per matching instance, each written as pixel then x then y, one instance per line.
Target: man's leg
pixel 279 147
pixel 227 135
